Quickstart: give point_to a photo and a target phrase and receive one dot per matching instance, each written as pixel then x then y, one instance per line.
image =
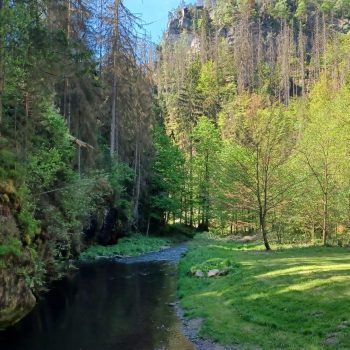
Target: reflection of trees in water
pixel 106 306
pixel 141 306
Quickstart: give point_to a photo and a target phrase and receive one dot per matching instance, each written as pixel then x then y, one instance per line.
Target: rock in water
pixel 16 299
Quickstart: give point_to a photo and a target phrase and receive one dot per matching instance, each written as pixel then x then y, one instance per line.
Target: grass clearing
pixel 293 298
pixel 129 246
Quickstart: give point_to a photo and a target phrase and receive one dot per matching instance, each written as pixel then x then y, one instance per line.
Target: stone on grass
pixel 344 325
pixel 213 273
pixel 199 273
pixel 331 339
pixel 217 272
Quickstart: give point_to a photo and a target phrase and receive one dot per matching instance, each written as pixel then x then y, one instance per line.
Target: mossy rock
pixel 16 299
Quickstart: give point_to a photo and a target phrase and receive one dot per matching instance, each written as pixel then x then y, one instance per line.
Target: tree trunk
pixel 191 180
pixel 325 206
pixel 137 184
pixel 325 218
pixel 324 46
pixel 317 63
pixel 206 221
pixel 264 231
pixel 2 63
pixel 262 202
pixel 302 57
pixel 148 224
pixel 114 109
pixel 114 122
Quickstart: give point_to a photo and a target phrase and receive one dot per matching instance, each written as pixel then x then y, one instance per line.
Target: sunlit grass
pixel 291 298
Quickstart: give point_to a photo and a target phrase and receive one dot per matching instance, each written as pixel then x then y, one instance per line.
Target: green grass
pixel 293 298
pixel 129 246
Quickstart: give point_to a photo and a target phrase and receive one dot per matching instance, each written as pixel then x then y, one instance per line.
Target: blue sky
pixel 154 12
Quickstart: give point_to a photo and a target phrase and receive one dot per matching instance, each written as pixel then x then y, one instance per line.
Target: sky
pixel 154 13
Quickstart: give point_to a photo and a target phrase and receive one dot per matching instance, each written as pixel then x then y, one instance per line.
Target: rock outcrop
pixel 16 299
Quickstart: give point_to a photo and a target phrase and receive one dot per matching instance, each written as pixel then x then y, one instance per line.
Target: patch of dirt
pixel 191 328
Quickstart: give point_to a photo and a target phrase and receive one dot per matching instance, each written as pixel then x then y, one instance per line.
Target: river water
pixel 109 304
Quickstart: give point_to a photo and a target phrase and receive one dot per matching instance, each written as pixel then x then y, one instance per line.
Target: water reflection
pixel 106 305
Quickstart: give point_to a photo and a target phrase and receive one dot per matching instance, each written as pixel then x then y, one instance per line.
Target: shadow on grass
pixel 299 294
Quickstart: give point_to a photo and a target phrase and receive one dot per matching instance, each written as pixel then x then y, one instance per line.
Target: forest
pixel 258 109
pixel 237 123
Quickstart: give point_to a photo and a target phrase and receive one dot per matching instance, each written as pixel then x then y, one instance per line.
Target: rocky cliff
pixel 186 20
pixel 16 298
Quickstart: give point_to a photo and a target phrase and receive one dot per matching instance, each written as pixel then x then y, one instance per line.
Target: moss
pixel 12 246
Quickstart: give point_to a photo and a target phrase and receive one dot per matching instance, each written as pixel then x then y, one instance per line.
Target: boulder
pixel 16 299
pixel 213 273
pixel 217 272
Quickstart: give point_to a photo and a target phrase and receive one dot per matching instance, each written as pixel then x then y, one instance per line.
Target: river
pixel 119 304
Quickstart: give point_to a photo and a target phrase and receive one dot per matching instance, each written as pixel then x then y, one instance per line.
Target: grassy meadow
pixel 290 298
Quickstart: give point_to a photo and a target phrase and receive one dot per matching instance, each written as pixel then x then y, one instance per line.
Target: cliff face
pixel 183 21
pixel 186 20
pixel 16 297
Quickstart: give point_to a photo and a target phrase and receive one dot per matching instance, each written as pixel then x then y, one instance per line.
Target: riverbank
pixel 138 244
pixel 290 298
pixel 135 245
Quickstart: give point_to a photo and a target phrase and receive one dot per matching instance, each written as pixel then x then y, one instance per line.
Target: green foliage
pixel 280 9
pixel 35 275
pixel 300 12
pixel 90 192
pixel 9 169
pixel 209 88
pixel 207 143
pixel 224 12
pixel 27 222
pixel 168 175
pixel 44 166
pixel 52 159
pixel 11 246
pixel 327 6
pixel 121 179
